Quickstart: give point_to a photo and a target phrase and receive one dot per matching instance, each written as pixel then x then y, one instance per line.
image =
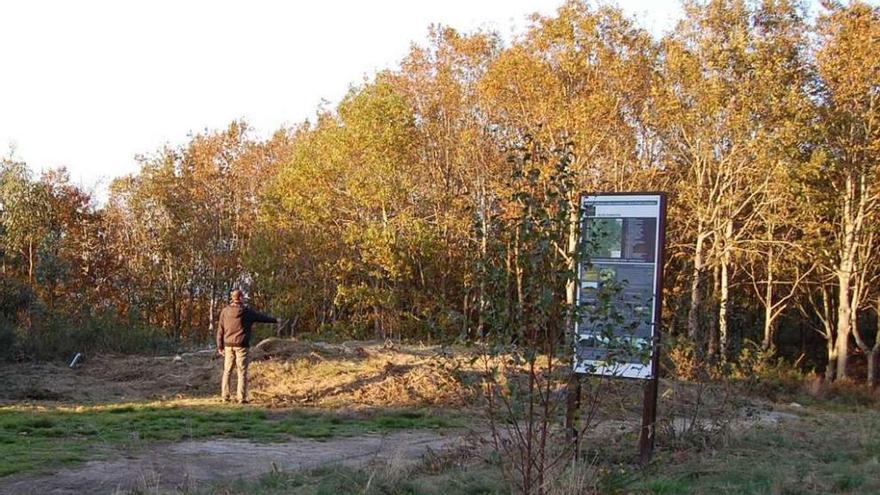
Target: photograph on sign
pixel 618 276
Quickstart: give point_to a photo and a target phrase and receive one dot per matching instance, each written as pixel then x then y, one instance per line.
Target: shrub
pixel 7 340
pixel 53 336
pixel 680 359
pixel 845 392
pixel 15 297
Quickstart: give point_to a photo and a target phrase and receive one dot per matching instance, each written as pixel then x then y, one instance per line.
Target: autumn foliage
pixel 373 220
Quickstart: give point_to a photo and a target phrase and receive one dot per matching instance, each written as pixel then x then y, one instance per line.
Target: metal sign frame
pixel 641 205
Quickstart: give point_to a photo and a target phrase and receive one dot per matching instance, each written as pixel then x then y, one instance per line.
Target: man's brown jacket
pixel 236 321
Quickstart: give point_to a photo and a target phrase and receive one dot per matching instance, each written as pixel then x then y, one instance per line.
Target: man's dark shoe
pixel 244 401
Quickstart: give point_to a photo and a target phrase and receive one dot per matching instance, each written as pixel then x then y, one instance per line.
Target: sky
pixel 90 84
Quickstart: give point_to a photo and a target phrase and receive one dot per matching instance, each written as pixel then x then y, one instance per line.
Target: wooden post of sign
pixel 649 408
pixel 649 414
pixel 572 406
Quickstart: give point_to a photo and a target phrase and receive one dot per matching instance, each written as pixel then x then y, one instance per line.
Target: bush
pixel 844 392
pixel 680 359
pixel 15 297
pixel 7 340
pixel 53 336
pixel 112 334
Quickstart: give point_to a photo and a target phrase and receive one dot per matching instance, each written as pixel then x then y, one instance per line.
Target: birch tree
pixel 844 174
pixel 781 113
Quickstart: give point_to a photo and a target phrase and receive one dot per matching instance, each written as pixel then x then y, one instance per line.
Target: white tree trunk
pixel 724 297
pixel 711 324
pixel 211 306
pixel 723 330
pixel 828 326
pixel 845 270
pixel 571 253
pixel 844 321
pixel 831 349
pixel 769 320
pixel 696 297
pixel 483 303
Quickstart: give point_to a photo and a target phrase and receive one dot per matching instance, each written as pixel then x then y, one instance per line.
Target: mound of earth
pixel 353 374
pixel 283 373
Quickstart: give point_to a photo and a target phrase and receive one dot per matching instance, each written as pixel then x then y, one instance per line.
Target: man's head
pixel 236 296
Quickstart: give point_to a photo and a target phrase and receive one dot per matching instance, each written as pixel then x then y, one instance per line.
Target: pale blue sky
pixel 89 84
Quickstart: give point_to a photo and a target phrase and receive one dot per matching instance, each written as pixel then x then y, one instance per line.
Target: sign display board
pixel 619 284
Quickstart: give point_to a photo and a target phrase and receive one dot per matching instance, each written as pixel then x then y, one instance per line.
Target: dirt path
pixel 190 464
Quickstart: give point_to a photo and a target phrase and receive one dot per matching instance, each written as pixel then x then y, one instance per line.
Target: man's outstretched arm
pixel 258 317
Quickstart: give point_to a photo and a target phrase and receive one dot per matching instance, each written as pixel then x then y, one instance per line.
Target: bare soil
pixel 283 373
pixel 188 465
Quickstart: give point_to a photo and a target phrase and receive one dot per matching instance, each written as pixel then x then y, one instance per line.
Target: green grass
pixel 825 452
pixel 34 439
pixel 334 480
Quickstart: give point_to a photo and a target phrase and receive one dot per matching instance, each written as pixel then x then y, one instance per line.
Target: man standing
pixel 233 340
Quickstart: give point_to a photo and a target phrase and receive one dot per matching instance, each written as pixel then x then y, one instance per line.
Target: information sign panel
pixel 619 284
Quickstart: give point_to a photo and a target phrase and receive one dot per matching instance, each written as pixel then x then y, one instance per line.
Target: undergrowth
pixel 820 453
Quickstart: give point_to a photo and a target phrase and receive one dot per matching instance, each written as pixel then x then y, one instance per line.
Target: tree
pixel 842 181
pixel 782 111
pixel 458 159
pixel 67 252
pixel 350 180
pixel 581 78
pixel 522 365
pixel 25 207
pixel 730 101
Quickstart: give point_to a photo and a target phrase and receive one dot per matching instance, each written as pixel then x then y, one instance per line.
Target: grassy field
pixel 41 438
pixel 823 452
pixel 750 438
pixel 335 480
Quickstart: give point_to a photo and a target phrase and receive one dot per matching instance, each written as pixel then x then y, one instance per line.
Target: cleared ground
pixel 284 373
pixel 185 466
pixel 396 419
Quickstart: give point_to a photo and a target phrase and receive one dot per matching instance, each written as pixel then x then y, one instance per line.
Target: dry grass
pixel 283 373
pixel 358 374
